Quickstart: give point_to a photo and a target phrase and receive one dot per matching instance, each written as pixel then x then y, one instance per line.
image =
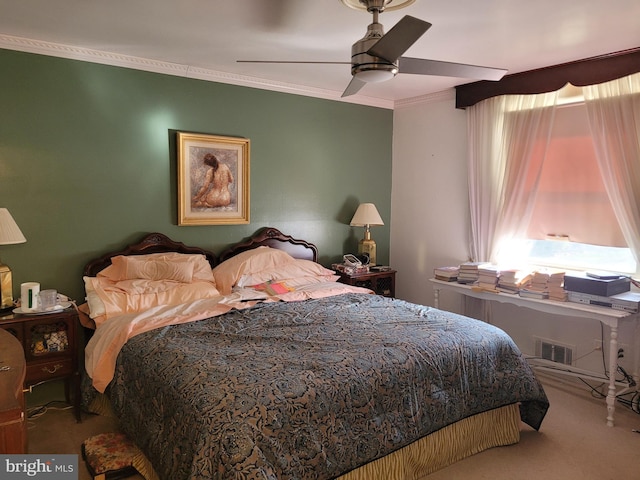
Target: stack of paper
pixel 538 287
pixel 488 276
pixel 446 274
pixel 555 285
pixel 512 280
pixel 469 272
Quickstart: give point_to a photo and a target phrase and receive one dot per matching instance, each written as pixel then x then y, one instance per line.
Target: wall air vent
pixel 554 351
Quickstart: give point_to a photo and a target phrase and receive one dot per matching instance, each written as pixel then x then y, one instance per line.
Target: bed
pixel 300 377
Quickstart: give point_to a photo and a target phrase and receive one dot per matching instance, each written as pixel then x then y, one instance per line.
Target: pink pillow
pixel 158 270
pixel 229 272
pixel 120 267
pixel 287 271
pixel 300 282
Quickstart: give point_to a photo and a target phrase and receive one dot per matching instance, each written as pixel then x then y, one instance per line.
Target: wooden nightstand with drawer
pixel 381 282
pixel 50 349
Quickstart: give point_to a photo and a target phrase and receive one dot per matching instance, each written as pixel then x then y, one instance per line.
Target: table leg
pixel 636 365
pixel 436 297
pixel 613 368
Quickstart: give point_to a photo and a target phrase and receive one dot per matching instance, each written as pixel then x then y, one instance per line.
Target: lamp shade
pixel 366 214
pixel 9 231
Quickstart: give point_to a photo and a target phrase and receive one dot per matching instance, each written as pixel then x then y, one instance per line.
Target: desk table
pixel 607 316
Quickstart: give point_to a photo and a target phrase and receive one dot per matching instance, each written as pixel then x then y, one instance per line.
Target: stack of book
pixel 556 287
pixel 446 274
pixel 469 272
pixel 538 287
pixel 488 276
pixel 540 281
pixel 512 280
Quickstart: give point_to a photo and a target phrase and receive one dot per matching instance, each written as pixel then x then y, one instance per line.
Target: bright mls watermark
pixel 39 466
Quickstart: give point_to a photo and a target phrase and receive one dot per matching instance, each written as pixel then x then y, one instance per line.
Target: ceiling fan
pixel 377 56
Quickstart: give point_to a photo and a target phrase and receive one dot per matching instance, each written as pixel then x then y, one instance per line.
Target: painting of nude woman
pixel 213 179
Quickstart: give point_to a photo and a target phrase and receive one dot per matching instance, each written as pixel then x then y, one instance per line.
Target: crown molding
pixel 449 94
pixel 137 63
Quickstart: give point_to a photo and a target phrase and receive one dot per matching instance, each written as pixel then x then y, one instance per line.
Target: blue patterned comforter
pixel 311 389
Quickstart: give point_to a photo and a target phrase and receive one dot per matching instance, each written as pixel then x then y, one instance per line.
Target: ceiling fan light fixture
pixel 375 75
pixel 368 68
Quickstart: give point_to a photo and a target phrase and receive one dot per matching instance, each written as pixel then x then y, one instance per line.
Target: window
pixel 569 255
pixel 572 224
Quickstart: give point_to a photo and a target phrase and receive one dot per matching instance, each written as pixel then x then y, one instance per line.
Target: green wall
pixel 87 163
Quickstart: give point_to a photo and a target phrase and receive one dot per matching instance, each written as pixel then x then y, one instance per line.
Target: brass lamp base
pixel 368 246
pixel 6 287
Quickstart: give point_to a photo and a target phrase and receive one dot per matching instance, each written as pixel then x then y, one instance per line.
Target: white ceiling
pixel 204 38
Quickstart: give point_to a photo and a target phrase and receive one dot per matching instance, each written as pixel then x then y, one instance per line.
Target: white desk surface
pixel 608 316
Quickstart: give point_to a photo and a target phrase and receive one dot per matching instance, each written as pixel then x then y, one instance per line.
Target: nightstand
pixel 50 348
pixel 383 283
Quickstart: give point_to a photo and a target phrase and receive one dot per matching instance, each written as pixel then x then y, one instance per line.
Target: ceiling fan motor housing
pixel 378 5
pixel 369 68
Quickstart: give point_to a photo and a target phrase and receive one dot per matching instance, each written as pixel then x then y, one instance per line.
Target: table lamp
pixel 367 215
pixel 9 234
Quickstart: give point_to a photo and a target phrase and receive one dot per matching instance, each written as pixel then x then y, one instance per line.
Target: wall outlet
pixel 597 345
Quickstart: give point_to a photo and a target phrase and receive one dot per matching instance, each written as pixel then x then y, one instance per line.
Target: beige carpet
pixel 573 443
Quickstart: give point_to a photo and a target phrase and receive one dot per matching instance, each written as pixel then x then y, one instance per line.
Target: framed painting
pixel 213 179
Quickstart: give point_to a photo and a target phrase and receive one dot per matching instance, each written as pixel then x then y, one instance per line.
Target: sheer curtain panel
pixel 504 133
pixel 614 118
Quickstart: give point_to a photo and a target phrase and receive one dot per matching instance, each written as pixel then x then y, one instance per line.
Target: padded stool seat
pixel 109 456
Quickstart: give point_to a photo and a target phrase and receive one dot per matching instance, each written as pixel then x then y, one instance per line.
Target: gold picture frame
pixel 213 179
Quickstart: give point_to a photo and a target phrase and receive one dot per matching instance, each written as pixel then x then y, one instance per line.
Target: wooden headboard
pixel 150 243
pixel 274 238
pixel 158 243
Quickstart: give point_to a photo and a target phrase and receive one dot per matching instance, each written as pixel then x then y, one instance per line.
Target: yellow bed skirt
pixel 440 449
pixel 451 444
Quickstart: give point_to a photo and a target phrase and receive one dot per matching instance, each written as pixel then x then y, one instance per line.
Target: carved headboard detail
pixel 274 238
pixel 150 243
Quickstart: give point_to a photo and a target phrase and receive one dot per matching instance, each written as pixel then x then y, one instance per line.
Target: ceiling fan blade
pixel 292 61
pixel 354 86
pixel 398 40
pixel 422 66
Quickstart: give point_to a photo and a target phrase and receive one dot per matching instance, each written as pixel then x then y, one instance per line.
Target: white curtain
pixel 614 118
pixel 503 133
